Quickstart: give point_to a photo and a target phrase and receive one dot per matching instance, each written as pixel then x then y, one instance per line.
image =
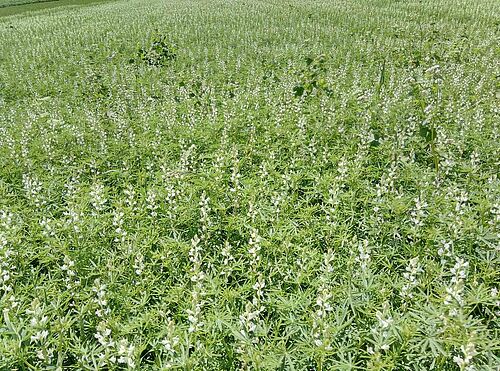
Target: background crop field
pixel 5 3
pixel 12 7
pixel 260 185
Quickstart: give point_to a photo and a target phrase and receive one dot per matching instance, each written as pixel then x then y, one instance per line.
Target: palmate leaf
pixel 432 345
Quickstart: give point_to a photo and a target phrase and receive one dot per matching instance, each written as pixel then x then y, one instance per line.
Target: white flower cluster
pixel 47 225
pixel 152 203
pixel 218 166
pixel 126 353
pixel 411 274
pixel 171 199
pixel 324 297
pixel 254 248
pixel 277 201
pixel 113 352
pixel 250 319
pixel 170 344
pixel 264 171
pixel 343 170
pixel 187 159
pixel 252 211
pixel 204 215
pixel 33 190
pixel 71 189
pixel 39 326
pixel 7 254
pixel 121 233
pixel 73 219
pixel 332 204
pixel 130 197
pixel 460 199
pixel 228 259
pixel 455 289
pixel 102 303
pixel 364 257
pixel 382 331
pixel 70 278
pixel 235 184
pixel 445 251
pixel 418 213
pixel 468 353
pixel 6 265
pixel 196 272
pixel 97 198
pixel 495 213
pixel 103 336
pixel 139 263
pixel 197 278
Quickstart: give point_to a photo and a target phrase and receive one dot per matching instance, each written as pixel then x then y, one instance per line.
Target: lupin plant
pixel 251 185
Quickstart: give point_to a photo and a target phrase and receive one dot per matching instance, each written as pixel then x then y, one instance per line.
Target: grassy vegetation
pixel 5 3
pixel 264 185
pixel 13 7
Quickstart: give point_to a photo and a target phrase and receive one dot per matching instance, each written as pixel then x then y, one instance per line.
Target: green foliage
pixel 6 3
pixel 15 7
pixel 158 52
pixel 192 210
pixel 313 78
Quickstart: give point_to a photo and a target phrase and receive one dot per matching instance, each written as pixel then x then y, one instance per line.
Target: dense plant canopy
pixel 225 185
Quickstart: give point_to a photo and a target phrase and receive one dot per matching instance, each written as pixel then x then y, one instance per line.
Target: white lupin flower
pixel 103 335
pixel 40 336
pixel 455 289
pixel 100 299
pixel 364 257
pixel 171 199
pixel 97 198
pixel 411 276
pixel 469 352
pixel 419 212
pixel 254 248
pixel 130 197
pixel 445 251
pixel 382 330
pixel 126 353
pixel 33 189
pixel 118 222
pixel 204 215
pixel 151 203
